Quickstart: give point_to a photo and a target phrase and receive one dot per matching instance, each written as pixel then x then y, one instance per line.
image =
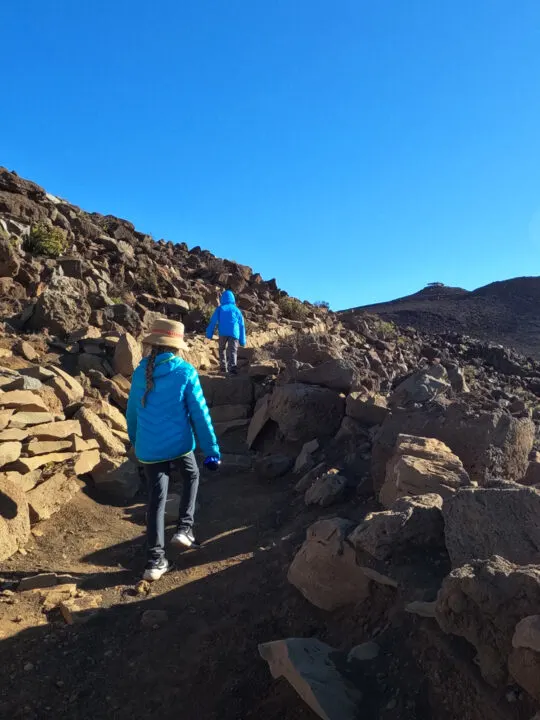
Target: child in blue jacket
pixel 232 331
pixel 165 403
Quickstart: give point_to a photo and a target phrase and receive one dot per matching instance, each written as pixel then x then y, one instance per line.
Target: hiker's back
pixel 229 320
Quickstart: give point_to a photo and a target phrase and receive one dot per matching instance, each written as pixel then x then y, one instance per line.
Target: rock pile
pixel 63 269
pixel 52 433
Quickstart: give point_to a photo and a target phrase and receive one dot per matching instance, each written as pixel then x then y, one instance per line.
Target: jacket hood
pixel 228 298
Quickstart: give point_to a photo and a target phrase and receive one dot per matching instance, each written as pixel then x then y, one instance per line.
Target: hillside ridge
pixel 505 312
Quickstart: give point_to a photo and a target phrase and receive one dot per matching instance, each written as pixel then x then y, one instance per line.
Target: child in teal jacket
pixel 165 406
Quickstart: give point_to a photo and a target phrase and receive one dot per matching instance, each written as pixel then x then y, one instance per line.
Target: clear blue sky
pixel 355 150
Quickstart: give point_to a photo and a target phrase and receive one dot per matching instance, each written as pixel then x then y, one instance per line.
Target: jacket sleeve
pixel 242 338
pixel 200 416
pixel 212 324
pixel 131 415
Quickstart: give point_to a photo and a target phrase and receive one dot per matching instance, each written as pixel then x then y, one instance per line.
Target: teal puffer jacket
pixel 229 320
pixel 163 429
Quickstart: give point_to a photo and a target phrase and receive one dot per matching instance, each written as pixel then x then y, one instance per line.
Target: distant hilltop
pixel 505 312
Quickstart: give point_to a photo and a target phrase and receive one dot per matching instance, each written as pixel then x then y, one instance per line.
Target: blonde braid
pixel 150 372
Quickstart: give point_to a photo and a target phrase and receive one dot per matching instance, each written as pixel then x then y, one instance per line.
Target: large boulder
pixel 123 315
pixel 94 427
pixel 227 413
pixel 127 355
pixel 48 497
pixel 483 602
pixel 116 477
pixel 56 430
pixel 220 390
pixel 304 412
pixel 260 417
pixel 62 307
pixel 325 569
pixel 420 466
pixel 9 261
pixel 9 452
pixel 490 521
pixel 368 409
pixel 421 387
pixel 524 660
pixel 309 665
pixel 412 522
pixel 14 518
pixel 336 374
pixel 67 389
pixel 22 400
pixel 489 443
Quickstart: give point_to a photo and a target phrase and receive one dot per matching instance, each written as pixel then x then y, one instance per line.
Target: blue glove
pixel 212 463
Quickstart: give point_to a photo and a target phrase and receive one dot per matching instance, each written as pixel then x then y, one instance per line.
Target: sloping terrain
pixel 370 548
pixel 506 312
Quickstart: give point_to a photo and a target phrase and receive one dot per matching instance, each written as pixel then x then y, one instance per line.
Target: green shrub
pixel 45 239
pixel 384 328
pixel 293 308
pixel 322 304
pixel 116 300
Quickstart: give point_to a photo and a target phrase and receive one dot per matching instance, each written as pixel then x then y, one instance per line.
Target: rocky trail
pixel 370 549
pixel 187 644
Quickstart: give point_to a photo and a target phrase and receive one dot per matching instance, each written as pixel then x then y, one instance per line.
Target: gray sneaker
pixel 183 538
pixel 155 570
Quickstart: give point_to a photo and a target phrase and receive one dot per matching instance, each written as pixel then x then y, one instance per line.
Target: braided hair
pixel 154 352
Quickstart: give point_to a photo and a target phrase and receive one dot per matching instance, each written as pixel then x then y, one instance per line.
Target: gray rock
pixel 368 409
pixel 303 412
pixel 62 307
pixel 24 382
pixel 482 522
pixel 304 461
pixel 220 390
pixel 363 652
pixel 259 420
pixel 117 478
pixel 412 522
pixel 309 665
pixel 483 602
pixel 326 490
pixel 421 387
pixel 335 374
pixel 489 443
pixel 14 518
pixel 273 466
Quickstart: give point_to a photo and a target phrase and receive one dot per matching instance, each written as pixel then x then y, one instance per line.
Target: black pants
pixel 157 476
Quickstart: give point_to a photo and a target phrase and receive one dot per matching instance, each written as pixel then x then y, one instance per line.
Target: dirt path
pixel 221 601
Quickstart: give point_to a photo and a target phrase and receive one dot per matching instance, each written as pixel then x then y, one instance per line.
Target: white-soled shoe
pixel 183 538
pixel 154 571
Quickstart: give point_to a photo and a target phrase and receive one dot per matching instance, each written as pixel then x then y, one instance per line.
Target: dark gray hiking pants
pixel 228 353
pixel 157 476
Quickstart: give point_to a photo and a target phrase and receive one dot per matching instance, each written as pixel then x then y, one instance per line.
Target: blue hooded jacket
pixel 162 429
pixel 229 320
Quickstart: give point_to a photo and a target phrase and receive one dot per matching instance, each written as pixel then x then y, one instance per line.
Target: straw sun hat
pixel 169 333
